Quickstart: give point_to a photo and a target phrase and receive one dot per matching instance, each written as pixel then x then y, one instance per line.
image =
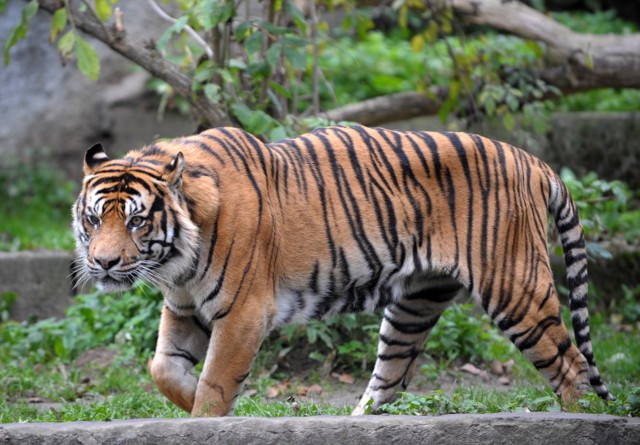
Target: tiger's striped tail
pixel 564 211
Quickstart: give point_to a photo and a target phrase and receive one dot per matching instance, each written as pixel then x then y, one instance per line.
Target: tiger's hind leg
pixel 182 343
pixel 530 317
pixel 405 327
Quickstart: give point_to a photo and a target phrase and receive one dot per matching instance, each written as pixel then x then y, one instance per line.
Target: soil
pixel 333 390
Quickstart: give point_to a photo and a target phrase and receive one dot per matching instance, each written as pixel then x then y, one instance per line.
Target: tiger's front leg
pixel 182 343
pixel 233 347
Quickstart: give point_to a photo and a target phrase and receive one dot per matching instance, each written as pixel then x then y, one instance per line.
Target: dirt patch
pixel 336 393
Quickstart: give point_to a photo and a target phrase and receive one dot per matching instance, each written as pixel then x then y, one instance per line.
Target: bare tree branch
pixel 158 10
pixel 392 107
pixel 147 57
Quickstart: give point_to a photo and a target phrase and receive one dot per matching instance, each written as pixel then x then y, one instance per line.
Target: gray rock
pixel 505 428
pixel 48 107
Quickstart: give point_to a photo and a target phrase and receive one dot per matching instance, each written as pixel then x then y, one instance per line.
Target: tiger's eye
pixel 136 221
pixel 93 220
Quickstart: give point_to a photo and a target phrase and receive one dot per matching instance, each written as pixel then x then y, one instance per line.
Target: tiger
pixel 243 237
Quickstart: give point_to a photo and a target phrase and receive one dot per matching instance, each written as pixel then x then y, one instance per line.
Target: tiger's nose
pixel 107 263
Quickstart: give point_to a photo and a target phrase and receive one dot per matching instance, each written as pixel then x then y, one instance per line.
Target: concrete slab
pixel 506 428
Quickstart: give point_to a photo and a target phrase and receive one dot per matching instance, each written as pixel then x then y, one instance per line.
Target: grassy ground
pixel 51 372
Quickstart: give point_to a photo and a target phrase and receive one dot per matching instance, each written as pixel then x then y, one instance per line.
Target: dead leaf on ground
pixel 305 390
pixel 275 390
pixel 470 369
pixel 344 378
pixel 496 367
pixel 508 366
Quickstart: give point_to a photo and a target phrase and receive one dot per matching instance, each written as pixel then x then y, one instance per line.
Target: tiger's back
pixel 379 209
pixel 349 219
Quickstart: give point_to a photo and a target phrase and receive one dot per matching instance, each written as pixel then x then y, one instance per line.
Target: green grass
pixel 35 368
pixel 617 354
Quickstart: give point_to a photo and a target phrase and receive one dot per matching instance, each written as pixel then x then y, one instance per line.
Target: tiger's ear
pixel 93 158
pixel 173 170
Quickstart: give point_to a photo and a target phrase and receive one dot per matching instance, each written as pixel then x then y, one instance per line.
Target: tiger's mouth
pixel 109 283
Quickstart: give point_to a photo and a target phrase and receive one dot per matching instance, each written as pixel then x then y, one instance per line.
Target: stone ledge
pixel 40 279
pixel 507 428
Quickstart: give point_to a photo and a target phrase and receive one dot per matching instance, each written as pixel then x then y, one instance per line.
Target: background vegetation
pixel 273 77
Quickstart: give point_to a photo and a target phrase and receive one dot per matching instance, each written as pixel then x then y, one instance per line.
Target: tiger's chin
pixel 109 284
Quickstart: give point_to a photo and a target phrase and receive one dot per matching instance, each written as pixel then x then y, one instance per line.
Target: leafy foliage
pixel 20 30
pixel 35 203
pixel 94 319
pixel 270 73
pixel 607 209
pixel 465 333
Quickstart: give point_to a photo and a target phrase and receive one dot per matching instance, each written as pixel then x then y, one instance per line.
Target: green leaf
pixel 29 11
pixel 260 122
pixel 275 30
pixel 20 31
pixel 273 54
pixel 292 40
pixel 59 347
pixel 259 69
pixel 88 61
pixel 212 92
pixel 66 44
pixel 512 102
pixel 242 30
pixel 297 58
pixel 417 43
pixel 278 134
pixel 589 59
pixel 243 113
pixel 176 28
pixel 298 17
pixel 490 106
pixel 237 64
pixel 253 44
pixel 58 23
pixel 103 10
pixel 280 90
pixel 508 121
pixel 316 355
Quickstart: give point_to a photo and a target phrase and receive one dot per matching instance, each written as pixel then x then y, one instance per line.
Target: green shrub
pixel 96 319
pixel 35 207
pixel 465 333
pixel 607 208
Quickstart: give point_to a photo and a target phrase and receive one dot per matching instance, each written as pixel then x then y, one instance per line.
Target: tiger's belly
pixel 297 305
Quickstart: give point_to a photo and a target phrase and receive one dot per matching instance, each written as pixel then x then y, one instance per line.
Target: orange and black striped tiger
pixel 243 237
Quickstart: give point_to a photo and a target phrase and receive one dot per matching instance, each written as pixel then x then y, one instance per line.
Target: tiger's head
pixel 130 221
